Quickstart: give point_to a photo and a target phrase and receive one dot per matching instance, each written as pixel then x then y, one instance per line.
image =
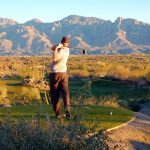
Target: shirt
pixel 61 64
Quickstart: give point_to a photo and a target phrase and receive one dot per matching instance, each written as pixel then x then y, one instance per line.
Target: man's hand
pixel 53 47
pixel 59 46
pixel 56 46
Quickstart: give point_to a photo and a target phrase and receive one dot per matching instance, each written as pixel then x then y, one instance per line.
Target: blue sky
pixel 53 10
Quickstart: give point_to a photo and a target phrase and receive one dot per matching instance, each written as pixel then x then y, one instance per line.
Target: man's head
pixel 65 41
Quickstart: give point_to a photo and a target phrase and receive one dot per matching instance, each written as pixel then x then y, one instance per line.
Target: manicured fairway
pixel 104 117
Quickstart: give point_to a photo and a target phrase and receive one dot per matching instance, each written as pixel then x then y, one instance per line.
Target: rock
pixel 123 103
pixel 5 105
pixel 1 76
pixel 41 84
pixel 142 82
pixel 7 77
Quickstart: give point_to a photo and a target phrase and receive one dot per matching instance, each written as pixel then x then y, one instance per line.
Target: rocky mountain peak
pixel 7 22
pixel 129 21
pixel 123 36
pixel 33 22
pixel 75 19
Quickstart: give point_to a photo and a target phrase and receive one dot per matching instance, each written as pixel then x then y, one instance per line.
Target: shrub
pixel 144 101
pixel 37 135
pixel 109 101
pixel 147 76
pixel 83 73
pixel 3 93
pixel 119 72
pixel 85 97
pixel 134 105
pixel 97 66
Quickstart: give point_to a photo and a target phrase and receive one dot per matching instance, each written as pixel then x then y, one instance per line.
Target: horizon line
pixel 72 15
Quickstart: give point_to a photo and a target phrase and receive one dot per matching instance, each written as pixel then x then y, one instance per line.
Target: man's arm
pixel 56 55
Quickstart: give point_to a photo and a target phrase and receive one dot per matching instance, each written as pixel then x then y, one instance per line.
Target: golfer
pixel 59 77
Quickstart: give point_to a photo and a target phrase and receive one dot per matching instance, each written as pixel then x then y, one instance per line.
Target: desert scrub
pixel 107 101
pixel 147 76
pixel 3 92
pixel 118 72
pixel 35 135
pixel 134 105
pixel 85 97
pixel 120 67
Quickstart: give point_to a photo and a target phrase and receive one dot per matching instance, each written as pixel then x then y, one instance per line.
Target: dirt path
pixel 135 135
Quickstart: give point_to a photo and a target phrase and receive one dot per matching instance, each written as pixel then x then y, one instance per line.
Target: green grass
pixel 102 115
pixel 101 87
pixel 13 80
pixel 92 114
pixel 15 90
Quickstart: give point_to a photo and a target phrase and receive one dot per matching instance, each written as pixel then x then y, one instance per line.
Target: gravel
pixel 135 135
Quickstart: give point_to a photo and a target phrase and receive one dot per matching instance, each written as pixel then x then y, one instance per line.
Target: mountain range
pixel 97 36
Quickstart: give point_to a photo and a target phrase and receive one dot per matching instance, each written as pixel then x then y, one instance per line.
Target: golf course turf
pixel 104 117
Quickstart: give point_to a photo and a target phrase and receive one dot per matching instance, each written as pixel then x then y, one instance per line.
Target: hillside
pixel 98 36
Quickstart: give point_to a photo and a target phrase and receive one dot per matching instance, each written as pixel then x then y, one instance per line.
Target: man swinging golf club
pixel 59 77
